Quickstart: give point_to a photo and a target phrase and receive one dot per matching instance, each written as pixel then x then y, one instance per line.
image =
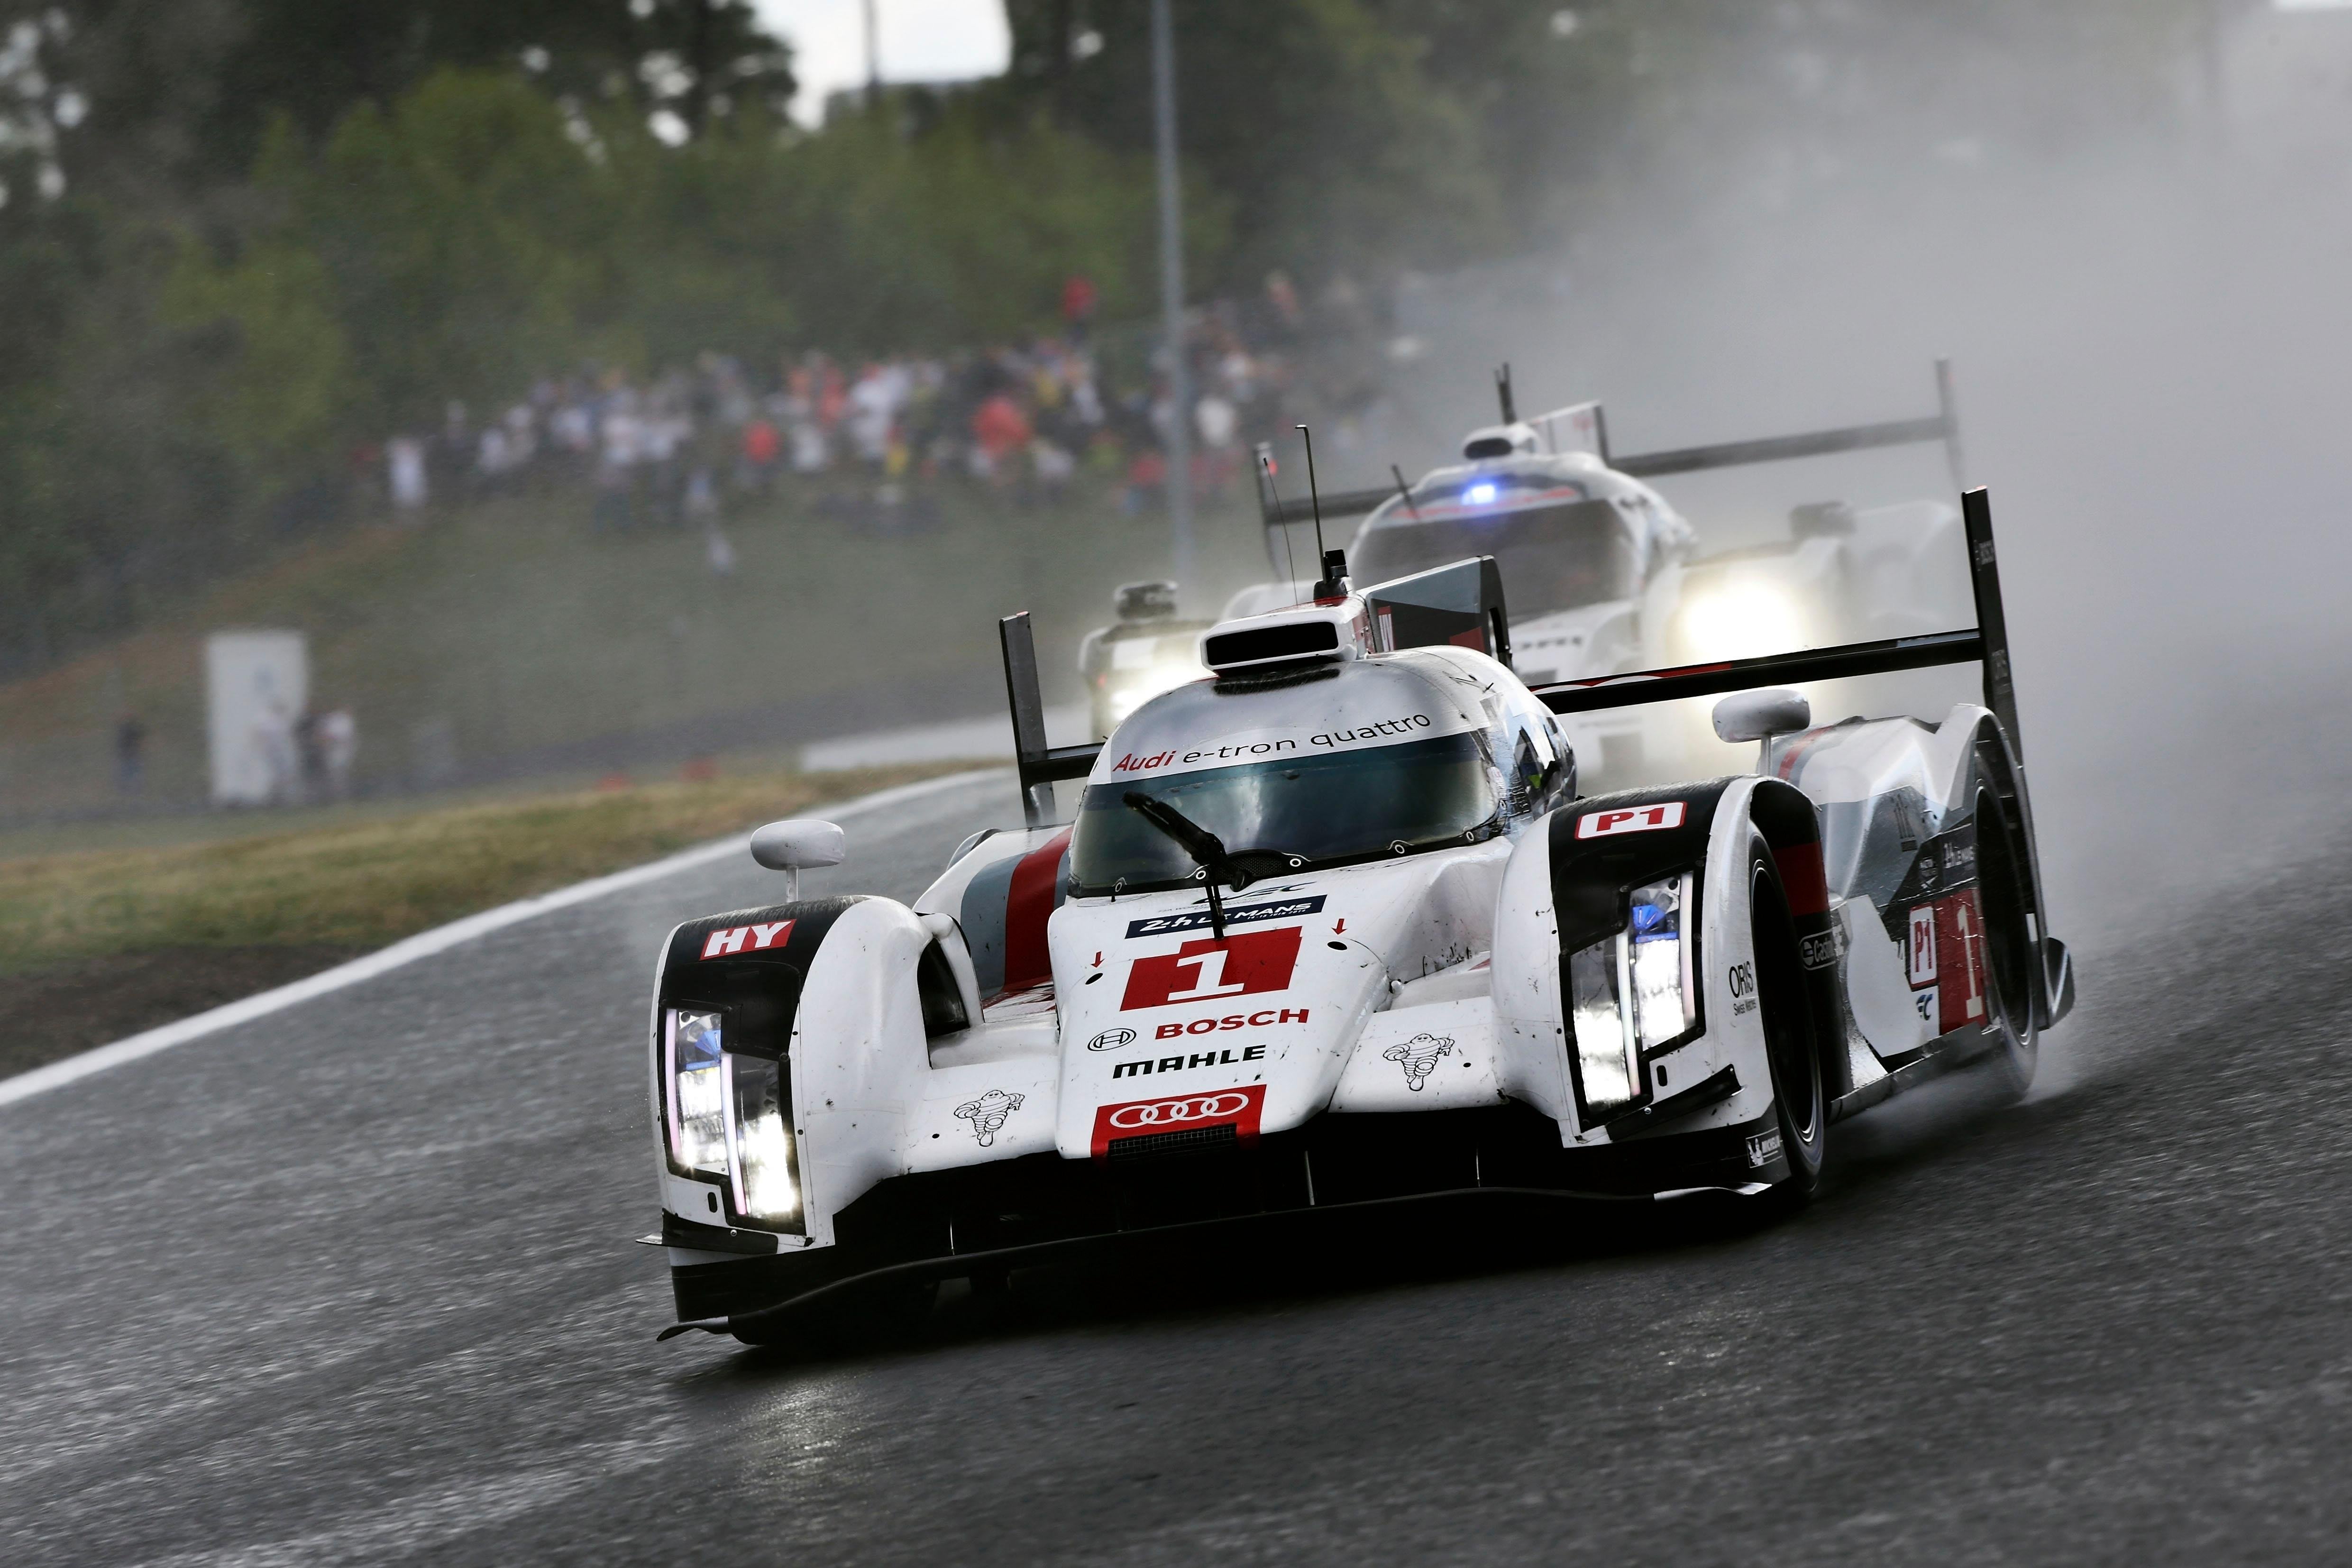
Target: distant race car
pixel 1149 648
pixel 1334 927
pixel 1600 568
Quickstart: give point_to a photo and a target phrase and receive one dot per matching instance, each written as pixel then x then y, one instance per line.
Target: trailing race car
pixel 1147 649
pixel 1601 569
pixel 1150 649
pixel 1334 927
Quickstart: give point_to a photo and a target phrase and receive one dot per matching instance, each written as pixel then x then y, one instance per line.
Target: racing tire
pixel 1799 1100
pixel 2009 951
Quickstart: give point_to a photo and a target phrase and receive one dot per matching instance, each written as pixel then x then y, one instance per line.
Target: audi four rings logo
pixel 1238 1107
pixel 1176 1112
pixel 1112 1039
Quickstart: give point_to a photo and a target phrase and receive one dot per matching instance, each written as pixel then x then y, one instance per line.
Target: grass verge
pixel 100 943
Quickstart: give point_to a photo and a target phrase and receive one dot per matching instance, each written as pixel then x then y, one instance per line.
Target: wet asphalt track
pixel 353 1284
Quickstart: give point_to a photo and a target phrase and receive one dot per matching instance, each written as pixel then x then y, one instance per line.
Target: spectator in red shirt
pixel 1078 301
pixel 1001 429
pixel 762 443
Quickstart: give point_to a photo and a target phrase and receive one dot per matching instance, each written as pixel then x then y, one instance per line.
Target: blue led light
pixel 1479 494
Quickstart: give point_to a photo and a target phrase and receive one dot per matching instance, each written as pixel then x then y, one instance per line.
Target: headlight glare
pixel 1663 1003
pixel 696 1066
pixel 1740 620
pixel 763 1144
pixel 729 1116
pixel 1607 1059
pixel 1131 689
pixel 1633 993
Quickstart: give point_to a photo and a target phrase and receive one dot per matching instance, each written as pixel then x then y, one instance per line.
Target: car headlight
pixel 1633 993
pixel 1740 620
pixel 729 1115
pixel 761 1144
pixel 695 1068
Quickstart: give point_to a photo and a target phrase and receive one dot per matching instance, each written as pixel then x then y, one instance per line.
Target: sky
pixel 922 40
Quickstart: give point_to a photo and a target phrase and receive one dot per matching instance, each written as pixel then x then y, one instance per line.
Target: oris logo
pixel 1112 1039
pixel 1236 1108
pixel 1742 977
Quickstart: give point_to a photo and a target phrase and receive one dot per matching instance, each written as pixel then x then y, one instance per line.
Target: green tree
pixel 177 95
pixel 1315 120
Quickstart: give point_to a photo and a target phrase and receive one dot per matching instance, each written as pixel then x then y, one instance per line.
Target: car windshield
pixel 1551 557
pixel 1333 808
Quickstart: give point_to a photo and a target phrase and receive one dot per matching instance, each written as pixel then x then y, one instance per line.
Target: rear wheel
pixel 2010 952
pixel 1798 1101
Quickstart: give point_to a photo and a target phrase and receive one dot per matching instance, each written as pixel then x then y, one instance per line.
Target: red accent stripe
pixel 1799 750
pixel 1803 879
pixel 1590 681
pixel 1028 904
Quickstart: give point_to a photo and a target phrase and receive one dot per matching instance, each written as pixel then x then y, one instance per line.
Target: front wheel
pixel 1798 1101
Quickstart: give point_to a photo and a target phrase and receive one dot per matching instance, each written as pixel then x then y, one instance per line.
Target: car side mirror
pixel 795 843
pixel 1761 715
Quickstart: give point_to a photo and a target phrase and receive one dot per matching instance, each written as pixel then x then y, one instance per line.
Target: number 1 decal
pixel 1245 963
pixel 1211 981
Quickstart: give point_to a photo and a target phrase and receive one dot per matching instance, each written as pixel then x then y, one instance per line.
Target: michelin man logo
pixel 987 1113
pixel 1418 1056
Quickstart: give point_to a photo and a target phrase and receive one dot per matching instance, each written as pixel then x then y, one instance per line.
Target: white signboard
pixel 257 685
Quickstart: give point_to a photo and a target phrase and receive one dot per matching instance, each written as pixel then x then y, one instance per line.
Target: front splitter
pixel 1236 1229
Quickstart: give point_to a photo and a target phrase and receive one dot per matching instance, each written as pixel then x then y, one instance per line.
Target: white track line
pixel 425 944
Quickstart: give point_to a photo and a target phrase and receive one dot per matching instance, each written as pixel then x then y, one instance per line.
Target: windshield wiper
pixel 1207 850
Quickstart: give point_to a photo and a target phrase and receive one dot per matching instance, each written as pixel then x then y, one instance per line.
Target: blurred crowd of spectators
pixel 1030 420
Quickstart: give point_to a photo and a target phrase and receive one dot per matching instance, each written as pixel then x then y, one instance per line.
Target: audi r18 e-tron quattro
pixel 1334 927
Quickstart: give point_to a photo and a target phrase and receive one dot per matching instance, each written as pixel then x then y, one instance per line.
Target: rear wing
pixel 1986 643
pixel 1943 426
pixel 1584 427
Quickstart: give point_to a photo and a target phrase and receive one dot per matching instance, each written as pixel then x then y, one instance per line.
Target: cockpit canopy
pixel 1364 759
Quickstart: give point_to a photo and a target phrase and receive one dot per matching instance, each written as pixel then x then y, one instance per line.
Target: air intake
pixel 1304 635
pixel 1499 441
pixel 1276 644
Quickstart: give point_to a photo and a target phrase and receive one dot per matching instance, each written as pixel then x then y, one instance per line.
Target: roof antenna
pixel 1332 584
pixel 1405 490
pixel 1266 463
pixel 1503 391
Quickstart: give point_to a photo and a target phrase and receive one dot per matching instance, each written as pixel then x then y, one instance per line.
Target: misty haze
pixel 463 472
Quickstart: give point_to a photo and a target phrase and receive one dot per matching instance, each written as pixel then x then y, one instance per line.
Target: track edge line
pixel 425 944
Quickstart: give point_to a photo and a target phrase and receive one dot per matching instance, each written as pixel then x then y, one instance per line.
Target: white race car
pixel 1334 928
pixel 1600 568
